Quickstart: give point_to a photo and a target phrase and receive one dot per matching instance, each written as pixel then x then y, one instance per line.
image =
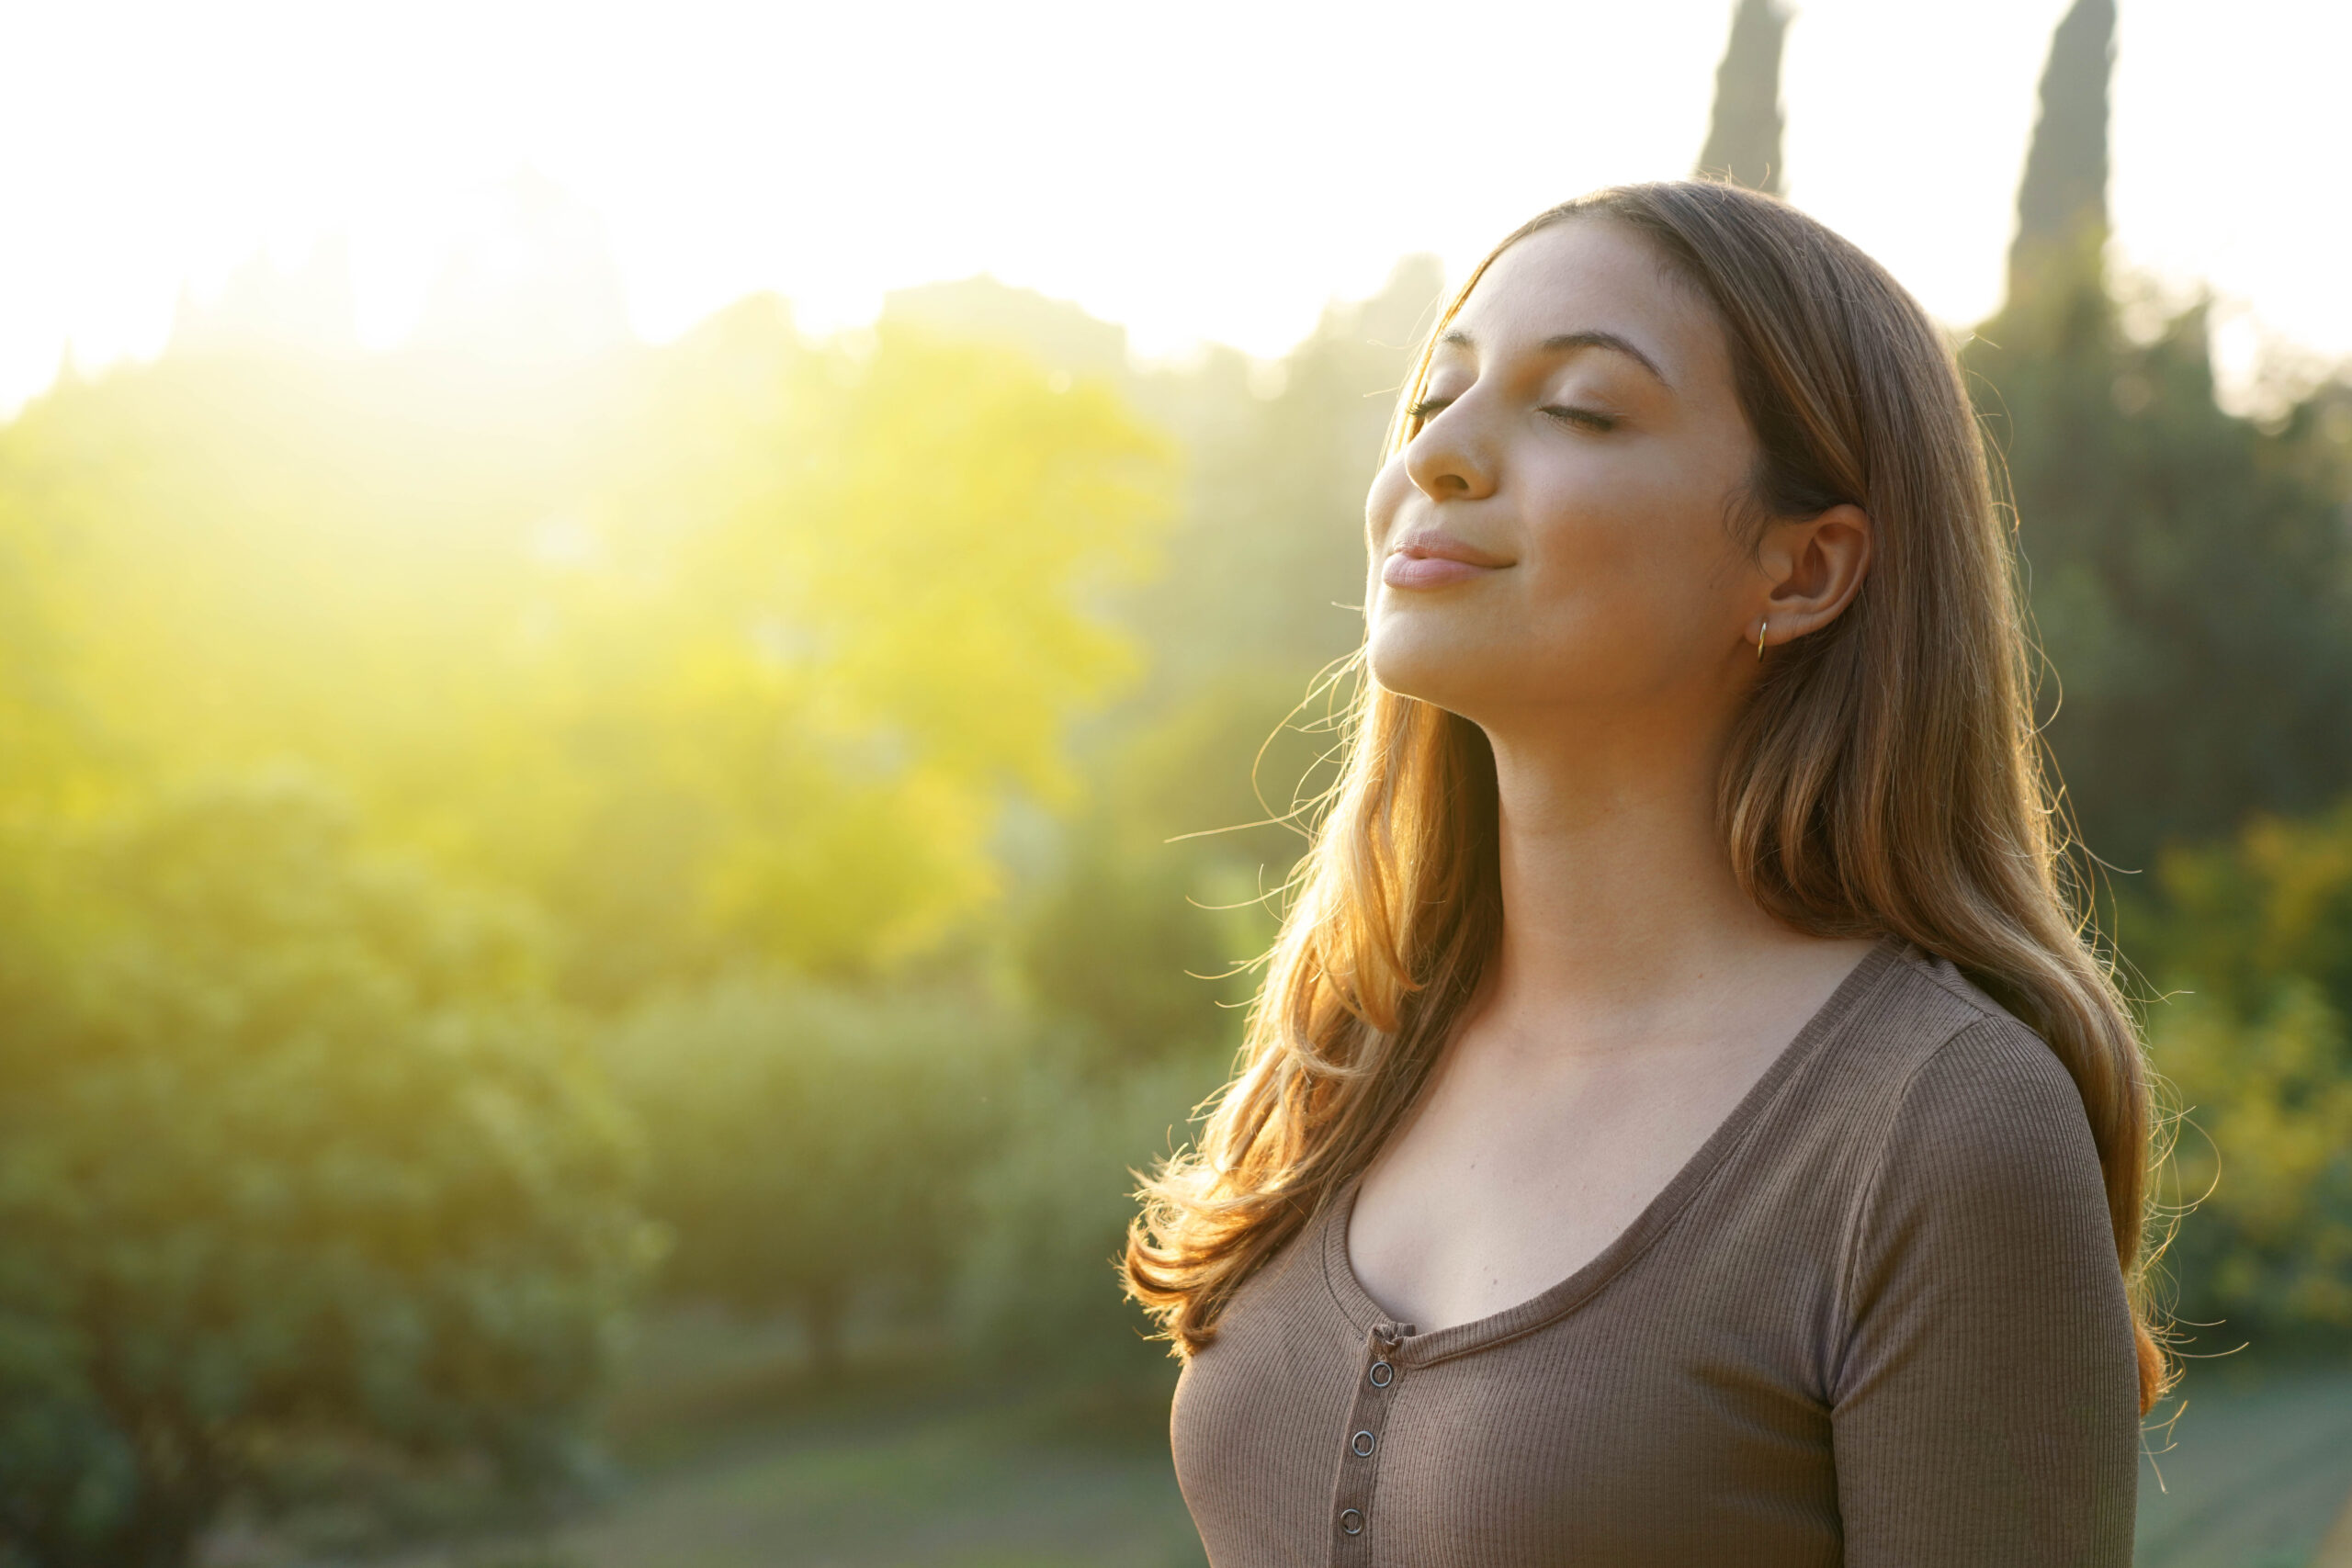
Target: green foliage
pixel 289 1142
pixel 1170 886
pixel 1266 571
pixel 851 1159
pixel 1038 1289
pixel 1123 945
pixel 686 647
pixel 2269 908
pixel 810 1150
pixel 725 657
pixel 2191 580
pixel 2188 572
pixel 2252 947
pixel 2262 1162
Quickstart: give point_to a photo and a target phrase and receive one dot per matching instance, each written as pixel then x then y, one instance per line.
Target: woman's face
pixel 1559 536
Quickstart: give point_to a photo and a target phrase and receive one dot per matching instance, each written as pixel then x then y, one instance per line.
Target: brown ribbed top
pixel 1875 1321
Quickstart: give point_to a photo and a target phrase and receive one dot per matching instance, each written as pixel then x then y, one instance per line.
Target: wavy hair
pixel 1823 802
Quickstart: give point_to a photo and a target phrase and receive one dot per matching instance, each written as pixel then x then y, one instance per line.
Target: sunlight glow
pixel 1217 174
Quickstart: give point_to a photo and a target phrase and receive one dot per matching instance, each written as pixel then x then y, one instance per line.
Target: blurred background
pixel 654 664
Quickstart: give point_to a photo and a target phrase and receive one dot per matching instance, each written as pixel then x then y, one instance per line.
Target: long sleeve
pixel 1986 1407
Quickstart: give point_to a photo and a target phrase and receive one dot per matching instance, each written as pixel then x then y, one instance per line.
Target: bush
pixel 2252 948
pixel 2265 1156
pixel 810 1150
pixel 289 1144
pixel 1038 1287
pixel 1124 950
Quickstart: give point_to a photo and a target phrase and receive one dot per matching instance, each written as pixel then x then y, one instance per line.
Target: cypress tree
pixel 1744 137
pixel 2061 201
pixel 2186 568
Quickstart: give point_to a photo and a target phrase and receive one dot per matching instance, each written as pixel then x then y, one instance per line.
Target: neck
pixel 1618 893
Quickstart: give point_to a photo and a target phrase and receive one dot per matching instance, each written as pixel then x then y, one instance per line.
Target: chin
pixel 1414 658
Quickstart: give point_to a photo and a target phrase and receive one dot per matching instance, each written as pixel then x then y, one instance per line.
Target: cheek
pixel 1625 589
pixel 1647 563
pixel 1632 590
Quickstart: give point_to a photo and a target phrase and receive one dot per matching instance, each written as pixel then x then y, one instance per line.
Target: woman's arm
pixel 1985 1405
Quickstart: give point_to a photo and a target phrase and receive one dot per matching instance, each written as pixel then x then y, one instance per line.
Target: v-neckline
pixel 1655 1218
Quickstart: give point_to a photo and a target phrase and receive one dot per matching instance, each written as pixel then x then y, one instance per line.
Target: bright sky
pixel 1215 170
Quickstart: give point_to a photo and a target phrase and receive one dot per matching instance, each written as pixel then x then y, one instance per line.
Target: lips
pixel 1431 559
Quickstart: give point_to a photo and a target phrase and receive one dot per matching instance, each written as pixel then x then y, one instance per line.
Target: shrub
pixel 2265 1158
pixel 810 1150
pixel 2253 949
pixel 289 1144
pixel 1038 1287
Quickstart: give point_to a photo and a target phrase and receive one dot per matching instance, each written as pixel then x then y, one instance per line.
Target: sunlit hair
pixel 1886 778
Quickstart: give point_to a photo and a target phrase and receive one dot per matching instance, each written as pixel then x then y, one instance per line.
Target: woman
pixel 1682 1124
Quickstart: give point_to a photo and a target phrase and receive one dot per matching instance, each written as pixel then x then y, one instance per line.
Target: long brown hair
pixel 1886 778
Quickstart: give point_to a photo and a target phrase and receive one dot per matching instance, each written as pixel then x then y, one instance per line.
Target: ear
pixel 1809 569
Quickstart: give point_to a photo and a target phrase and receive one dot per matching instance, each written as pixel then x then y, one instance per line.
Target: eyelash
pixel 1585 417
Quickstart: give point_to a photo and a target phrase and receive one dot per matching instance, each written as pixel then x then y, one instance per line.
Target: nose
pixel 1446 459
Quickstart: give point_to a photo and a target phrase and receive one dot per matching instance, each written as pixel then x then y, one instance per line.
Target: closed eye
pixel 1586 419
pixel 1426 407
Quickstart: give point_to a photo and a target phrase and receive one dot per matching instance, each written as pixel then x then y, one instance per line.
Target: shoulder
pixel 1981 1209
pixel 1917 1072
pixel 1981 1147
pixel 1979 1091
pixel 1922 1050
pixel 1948 1118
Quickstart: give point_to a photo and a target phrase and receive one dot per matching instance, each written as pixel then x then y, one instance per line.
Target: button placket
pixel 1354 1517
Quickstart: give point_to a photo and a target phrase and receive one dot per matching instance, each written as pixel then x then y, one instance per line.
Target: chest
pixel 1649 1427
pixel 1506 1182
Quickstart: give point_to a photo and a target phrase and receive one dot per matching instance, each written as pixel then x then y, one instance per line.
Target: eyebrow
pixel 1561 343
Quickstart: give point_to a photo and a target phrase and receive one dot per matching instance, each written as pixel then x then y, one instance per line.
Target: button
pixel 1351 1522
pixel 1382 1374
pixel 1363 1444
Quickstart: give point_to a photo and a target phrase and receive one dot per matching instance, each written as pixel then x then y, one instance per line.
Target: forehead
pixel 1590 274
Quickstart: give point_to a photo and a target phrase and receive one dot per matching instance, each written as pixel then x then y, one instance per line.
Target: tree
pixel 1279 457
pixel 1125 901
pixel 886 603
pixel 730 652
pixel 1280 464
pixel 2061 200
pixel 1134 944
pixel 1744 136
pixel 1037 1286
pixel 2189 574
pixel 289 1143
pixel 811 1151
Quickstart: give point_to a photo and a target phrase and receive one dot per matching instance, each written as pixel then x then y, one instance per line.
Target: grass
pixel 730 1461
pixel 961 1488
pixel 883 1478
pixel 2253 1471
pixel 2257 1464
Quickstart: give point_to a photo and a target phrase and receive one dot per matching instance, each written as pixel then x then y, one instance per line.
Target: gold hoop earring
pixel 1761 628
